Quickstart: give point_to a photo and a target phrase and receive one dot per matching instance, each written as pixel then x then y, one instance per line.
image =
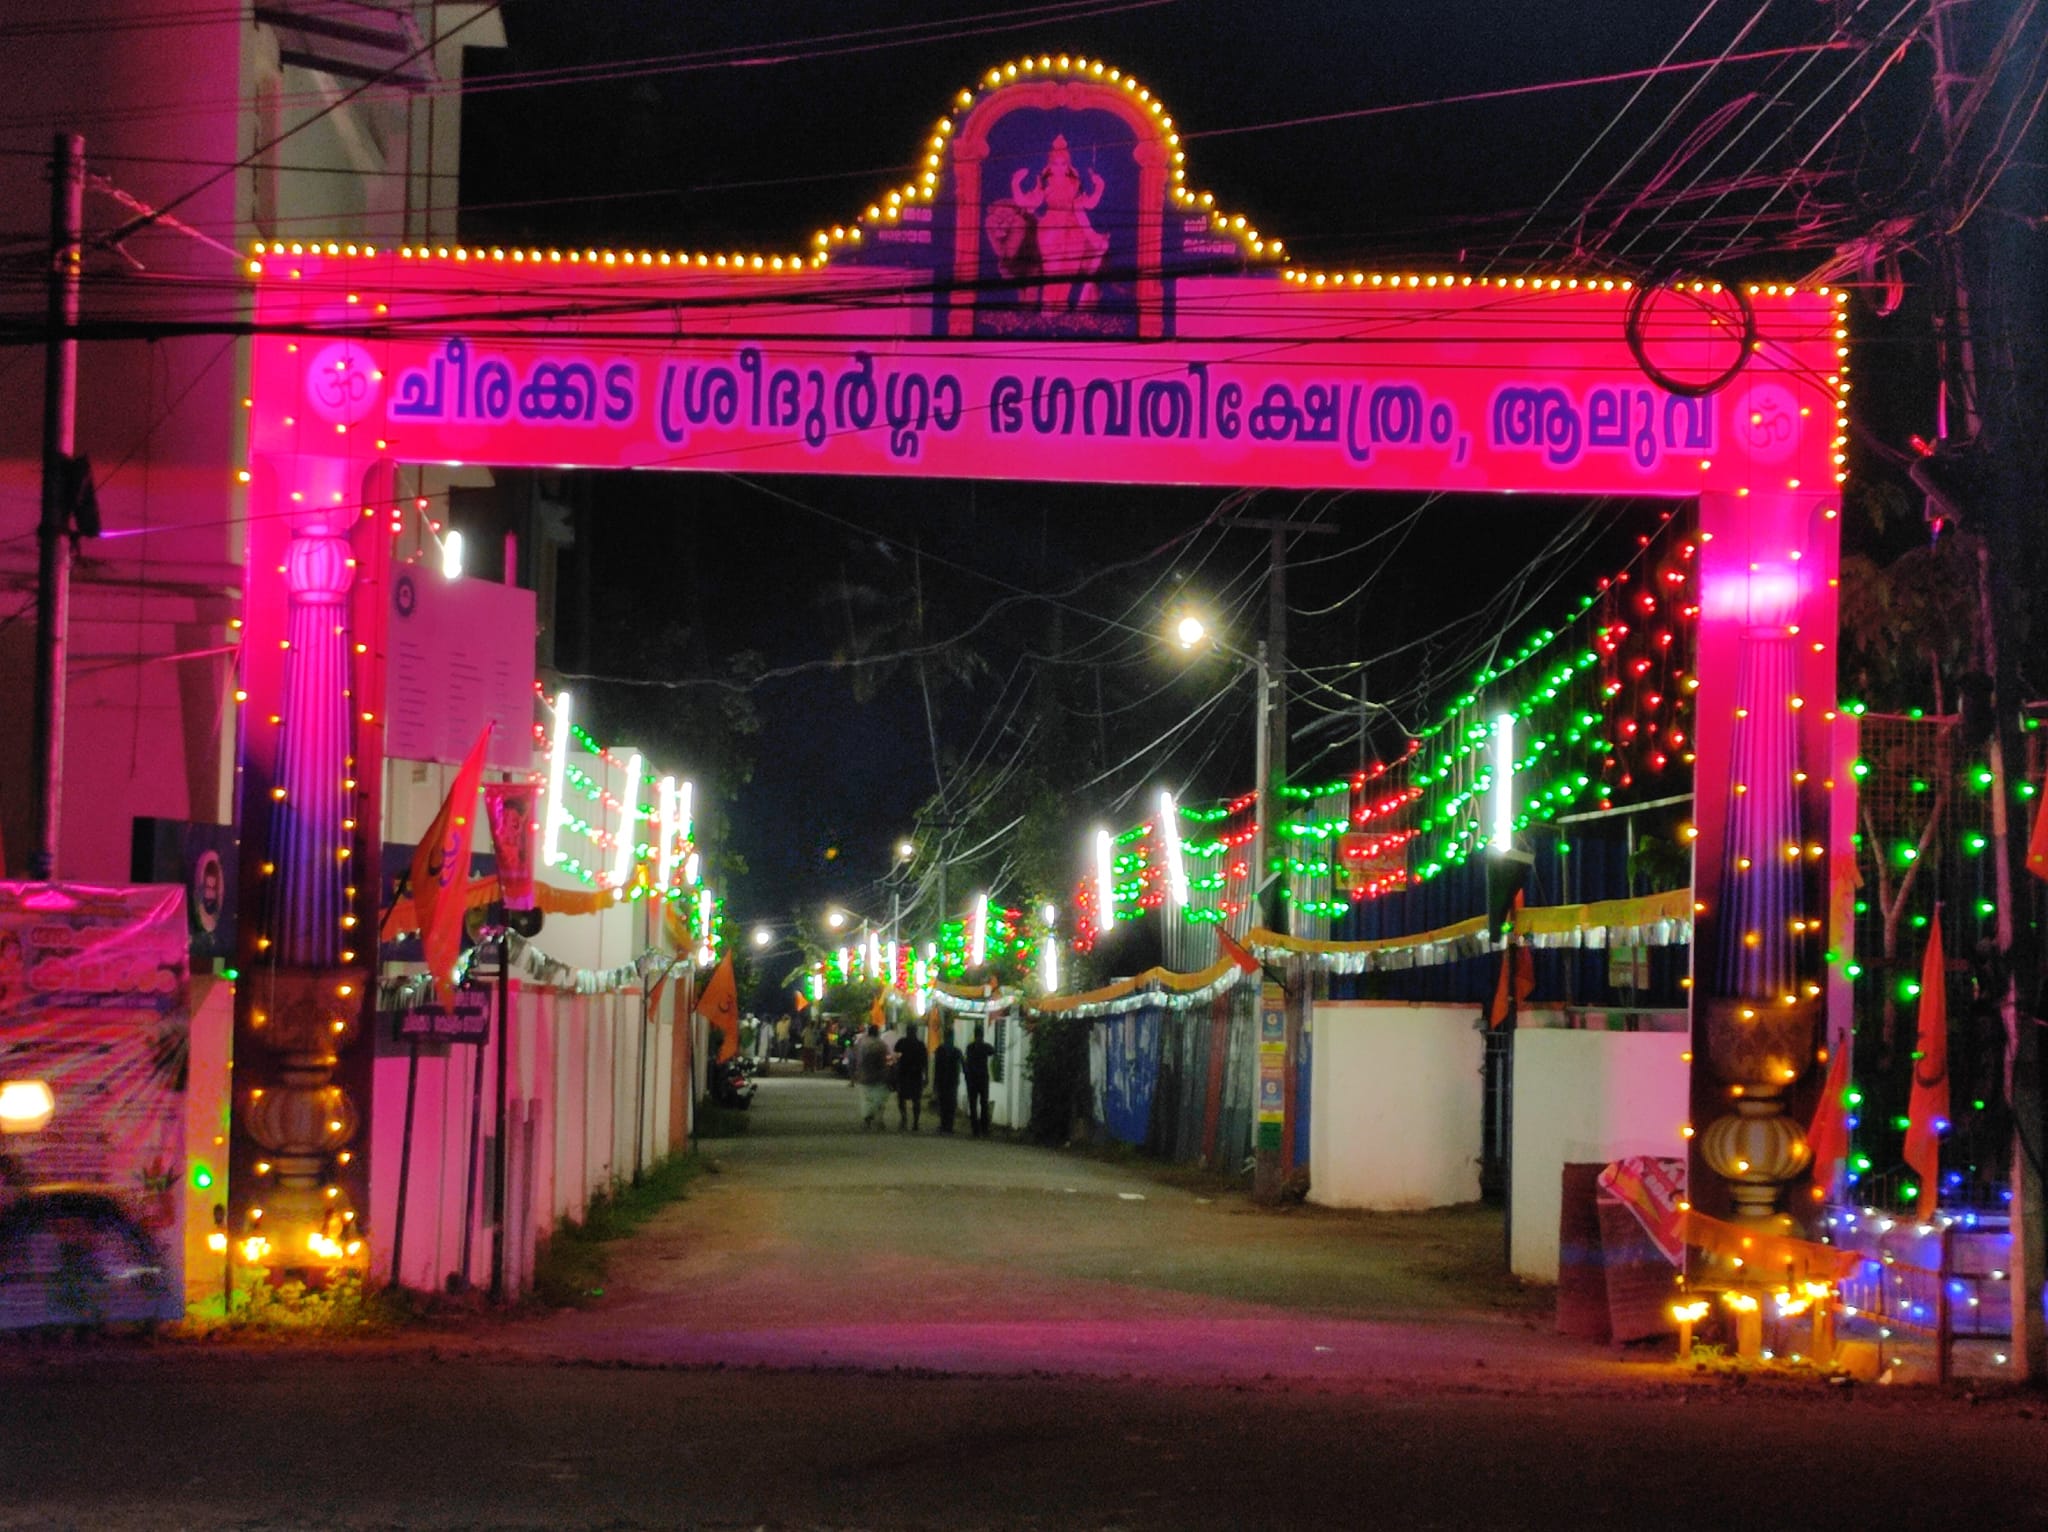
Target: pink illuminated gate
pixel 1047 299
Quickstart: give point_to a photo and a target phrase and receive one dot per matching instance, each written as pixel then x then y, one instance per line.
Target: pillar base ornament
pixel 1759 1049
pixel 303 1119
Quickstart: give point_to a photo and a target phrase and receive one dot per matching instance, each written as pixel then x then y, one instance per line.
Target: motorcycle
pixel 732 1086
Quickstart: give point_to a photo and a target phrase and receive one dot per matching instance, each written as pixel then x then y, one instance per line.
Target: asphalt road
pixel 848 1331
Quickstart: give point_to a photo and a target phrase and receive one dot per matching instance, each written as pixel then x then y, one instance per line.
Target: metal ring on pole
pixel 1632 330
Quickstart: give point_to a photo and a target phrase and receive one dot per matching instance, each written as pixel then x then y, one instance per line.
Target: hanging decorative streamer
pixel 972 1000
pixel 530 963
pixel 1652 920
pixel 1154 987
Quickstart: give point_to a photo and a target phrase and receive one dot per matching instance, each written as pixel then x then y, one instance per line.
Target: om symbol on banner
pixel 342 382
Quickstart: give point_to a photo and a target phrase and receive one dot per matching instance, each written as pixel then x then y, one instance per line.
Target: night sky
pixel 749 127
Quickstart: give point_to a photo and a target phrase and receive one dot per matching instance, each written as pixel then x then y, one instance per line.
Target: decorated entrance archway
pixel 1048 298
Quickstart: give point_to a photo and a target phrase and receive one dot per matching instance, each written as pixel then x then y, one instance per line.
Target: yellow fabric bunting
pixel 1164 978
pixel 1607 914
pixel 556 901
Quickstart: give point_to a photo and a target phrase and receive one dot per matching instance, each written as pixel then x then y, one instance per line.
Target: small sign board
pixel 1271 1118
pixel 466 1018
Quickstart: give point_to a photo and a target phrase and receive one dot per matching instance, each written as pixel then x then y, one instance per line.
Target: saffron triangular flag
pixel 1829 1135
pixel 720 1005
pixel 440 870
pixel 1236 951
pixel 1517 981
pixel 1927 1106
pixel 655 987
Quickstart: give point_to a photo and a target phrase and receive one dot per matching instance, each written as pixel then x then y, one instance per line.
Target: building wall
pixel 165 103
pixel 1585 1097
pixel 1394 1123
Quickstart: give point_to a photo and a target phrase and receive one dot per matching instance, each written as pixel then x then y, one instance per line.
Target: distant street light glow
pixel 1190 631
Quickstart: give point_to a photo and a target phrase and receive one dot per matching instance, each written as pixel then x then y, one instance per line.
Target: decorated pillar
pixel 307 843
pixel 1765 826
pixel 304 986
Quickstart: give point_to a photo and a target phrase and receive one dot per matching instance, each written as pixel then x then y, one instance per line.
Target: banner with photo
pixel 511 807
pixel 94 1026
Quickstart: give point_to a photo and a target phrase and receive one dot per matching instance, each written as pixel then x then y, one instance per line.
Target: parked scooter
pixel 732 1086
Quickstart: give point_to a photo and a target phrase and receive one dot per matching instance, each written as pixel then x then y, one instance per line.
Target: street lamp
pixel 835 918
pixel 763 936
pixel 1191 632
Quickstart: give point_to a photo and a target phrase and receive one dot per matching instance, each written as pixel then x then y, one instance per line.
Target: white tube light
pixel 629 822
pixel 558 766
pixel 1176 864
pixel 1502 793
pixel 1105 881
pixel 670 824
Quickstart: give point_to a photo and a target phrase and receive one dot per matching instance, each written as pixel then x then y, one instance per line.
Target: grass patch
pixel 341 1306
pixel 571 1268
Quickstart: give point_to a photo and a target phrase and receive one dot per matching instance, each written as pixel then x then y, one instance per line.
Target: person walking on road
pixel 979 1052
pixel 911 1057
pixel 946 1061
pixel 870 1076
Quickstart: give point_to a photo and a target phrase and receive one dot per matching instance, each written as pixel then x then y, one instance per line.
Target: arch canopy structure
pixel 1048 298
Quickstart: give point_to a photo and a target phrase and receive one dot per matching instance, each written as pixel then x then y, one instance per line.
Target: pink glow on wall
pixel 1762 595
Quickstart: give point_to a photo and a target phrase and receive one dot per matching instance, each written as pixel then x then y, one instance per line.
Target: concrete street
pixel 844 1330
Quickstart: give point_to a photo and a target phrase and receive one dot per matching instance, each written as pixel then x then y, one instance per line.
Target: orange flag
pixel 1517 972
pixel 2037 845
pixel 878 1013
pixel 440 869
pixel 1927 1107
pixel 1236 951
pixel 1829 1135
pixel 720 1005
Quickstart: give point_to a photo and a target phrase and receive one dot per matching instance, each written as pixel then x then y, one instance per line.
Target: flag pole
pixel 501 1159
pixel 412 1090
pixel 476 1127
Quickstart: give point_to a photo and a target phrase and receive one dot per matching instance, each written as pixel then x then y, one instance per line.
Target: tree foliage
pixel 1909 628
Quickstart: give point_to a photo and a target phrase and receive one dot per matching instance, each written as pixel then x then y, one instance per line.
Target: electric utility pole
pixel 60 488
pixel 1275 713
pixel 1270 1158
pixel 1996 366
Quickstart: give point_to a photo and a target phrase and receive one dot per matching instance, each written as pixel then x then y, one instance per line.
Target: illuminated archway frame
pixel 844 360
